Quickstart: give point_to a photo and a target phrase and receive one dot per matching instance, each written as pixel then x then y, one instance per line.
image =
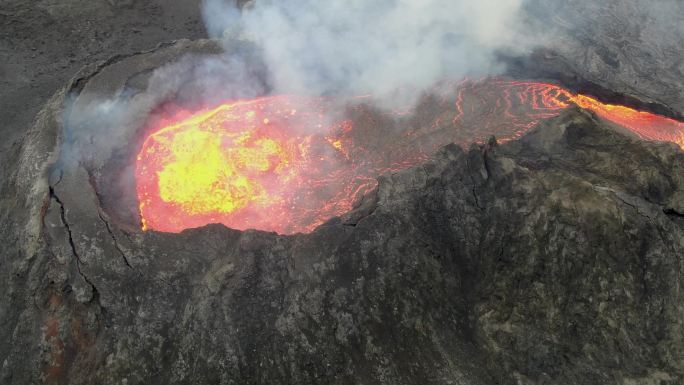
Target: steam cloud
pixel 307 47
pixel 358 47
pixel 392 49
pixel 304 47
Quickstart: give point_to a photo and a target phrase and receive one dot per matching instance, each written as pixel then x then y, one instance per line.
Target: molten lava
pixel 645 125
pixel 243 164
pixel 283 164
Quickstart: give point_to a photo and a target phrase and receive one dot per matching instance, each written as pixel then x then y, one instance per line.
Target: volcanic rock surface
pixel 553 259
pixel 44 43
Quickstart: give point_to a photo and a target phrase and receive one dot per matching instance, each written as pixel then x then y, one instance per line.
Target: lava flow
pixel 248 164
pixel 282 164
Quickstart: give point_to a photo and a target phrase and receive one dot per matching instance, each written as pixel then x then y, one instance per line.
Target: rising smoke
pixel 307 47
pixel 97 126
pixel 392 49
pixel 358 46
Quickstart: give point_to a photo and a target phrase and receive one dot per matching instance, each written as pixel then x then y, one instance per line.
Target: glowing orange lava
pixel 244 164
pixel 283 164
pixel 646 125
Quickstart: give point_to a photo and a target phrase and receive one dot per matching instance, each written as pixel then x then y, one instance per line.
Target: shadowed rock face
pixel 554 259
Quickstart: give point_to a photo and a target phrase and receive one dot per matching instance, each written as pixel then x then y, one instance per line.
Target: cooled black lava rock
pixel 554 259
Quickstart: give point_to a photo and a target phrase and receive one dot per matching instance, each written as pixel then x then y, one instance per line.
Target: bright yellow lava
pixel 207 169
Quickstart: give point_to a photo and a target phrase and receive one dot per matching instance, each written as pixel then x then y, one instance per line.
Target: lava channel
pixel 282 164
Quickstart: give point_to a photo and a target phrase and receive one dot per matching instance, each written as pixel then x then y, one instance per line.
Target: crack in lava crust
pixel 283 164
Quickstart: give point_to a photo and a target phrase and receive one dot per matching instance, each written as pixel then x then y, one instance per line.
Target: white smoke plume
pixel 308 48
pixel 359 46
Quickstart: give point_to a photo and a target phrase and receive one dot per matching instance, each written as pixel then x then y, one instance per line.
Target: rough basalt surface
pixel 554 259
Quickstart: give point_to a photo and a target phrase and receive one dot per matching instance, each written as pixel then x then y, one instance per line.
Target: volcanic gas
pixel 285 164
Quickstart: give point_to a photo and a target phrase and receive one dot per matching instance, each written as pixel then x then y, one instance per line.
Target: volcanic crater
pixel 291 163
pixel 505 230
